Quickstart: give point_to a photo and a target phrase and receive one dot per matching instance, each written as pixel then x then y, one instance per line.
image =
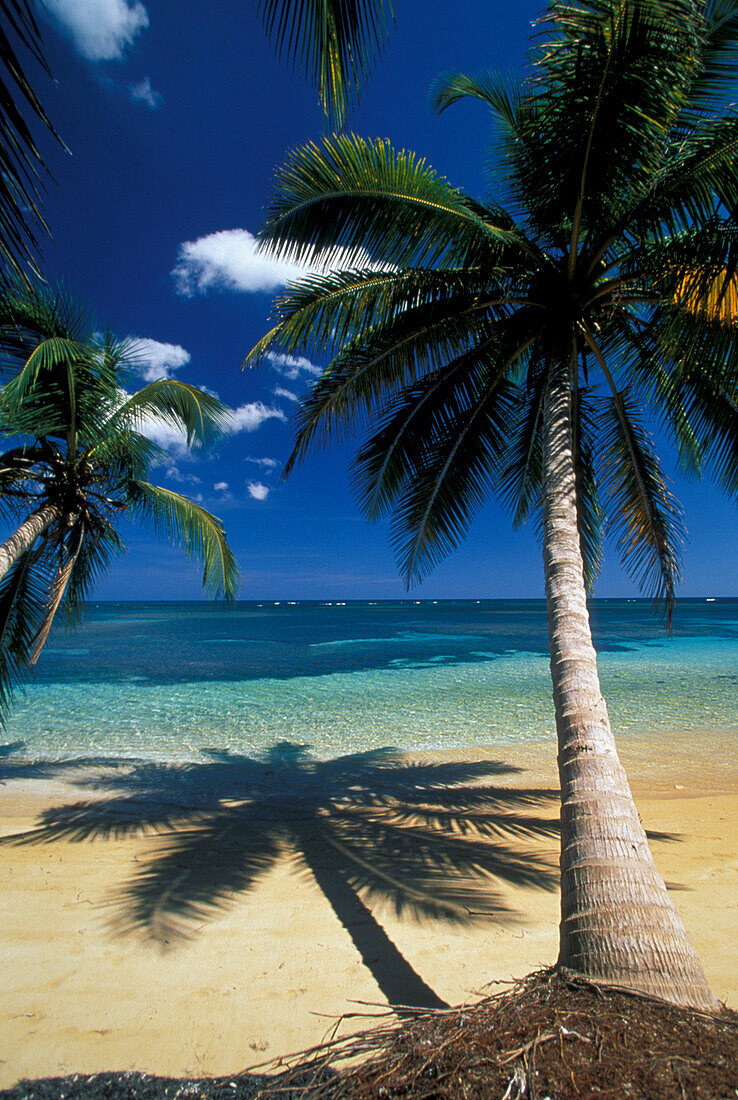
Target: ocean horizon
pixel 169 680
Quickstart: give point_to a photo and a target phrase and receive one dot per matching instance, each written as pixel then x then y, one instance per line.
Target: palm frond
pixel 351 200
pixel 23 596
pixel 718 72
pixel 175 403
pixel 521 472
pixel 335 42
pixel 597 122
pixel 376 365
pixel 94 553
pixel 320 314
pixel 502 95
pixel 638 503
pixel 22 166
pixel 590 517
pixel 186 524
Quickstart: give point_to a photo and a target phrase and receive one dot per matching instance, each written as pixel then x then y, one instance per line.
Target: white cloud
pixel 280 391
pixel 292 366
pixel 100 30
pixel 258 490
pixel 173 473
pixel 229 260
pixel 153 359
pixel 142 92
pixel 221 486
pixel 265 463
pixel 166 436
pixel 247 418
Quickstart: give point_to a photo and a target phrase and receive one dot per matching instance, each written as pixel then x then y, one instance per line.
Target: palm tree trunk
pixel 23 539
pixel 618 923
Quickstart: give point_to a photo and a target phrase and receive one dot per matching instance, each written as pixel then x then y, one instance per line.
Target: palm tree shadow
pixel 434 840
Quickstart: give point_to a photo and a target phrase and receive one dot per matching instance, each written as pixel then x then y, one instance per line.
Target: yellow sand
pixel 85 988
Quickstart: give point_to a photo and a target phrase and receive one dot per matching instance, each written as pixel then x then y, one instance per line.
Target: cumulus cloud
pixel 154 359
pixel 292 366
pixel 258 490
pixel 229 260
pixel 265 463
pixel 167 436
pixel 249 417
pixel 280 391
pixel 142 92
pixel 100 30
pixel 173 473
pixel 173 440
pixel 221 486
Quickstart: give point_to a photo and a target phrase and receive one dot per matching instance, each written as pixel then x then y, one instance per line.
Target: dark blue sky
pixel 176 116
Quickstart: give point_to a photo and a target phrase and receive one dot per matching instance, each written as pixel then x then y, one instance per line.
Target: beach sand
pixel 139 937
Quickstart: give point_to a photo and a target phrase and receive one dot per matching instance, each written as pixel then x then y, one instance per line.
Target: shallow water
pixel 171 679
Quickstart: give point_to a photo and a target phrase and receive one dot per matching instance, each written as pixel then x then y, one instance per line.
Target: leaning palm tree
pixel 523 344
pixel 79 460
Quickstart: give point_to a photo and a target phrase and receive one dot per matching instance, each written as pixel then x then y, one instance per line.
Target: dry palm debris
pixel 546 1039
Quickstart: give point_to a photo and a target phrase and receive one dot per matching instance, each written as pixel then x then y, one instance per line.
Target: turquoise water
pixel 171 679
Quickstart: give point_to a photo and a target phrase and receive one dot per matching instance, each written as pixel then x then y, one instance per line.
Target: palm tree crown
pixel 616 196
pixel 524 344
pixel 79 461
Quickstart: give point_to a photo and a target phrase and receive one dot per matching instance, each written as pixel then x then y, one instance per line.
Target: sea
pixel 175 680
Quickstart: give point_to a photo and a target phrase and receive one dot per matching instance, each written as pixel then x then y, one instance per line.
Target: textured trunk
pixel 24 538
pixel 618 923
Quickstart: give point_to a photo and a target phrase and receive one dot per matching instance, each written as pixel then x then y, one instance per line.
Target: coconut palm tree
pixel 523 344
pixel 79 462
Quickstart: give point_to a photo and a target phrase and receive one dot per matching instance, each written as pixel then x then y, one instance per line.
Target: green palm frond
pixel 521 468
pixel 433 454
pixel 502 95
pixel 351 200
pixel 336 42
pixel 718 73
pixel 590 517
pixel 87 464
pixel 617 238
pixel 454 480
pixel 23 600
pixel 22 166
pixel 100 545
pixel 186 524
pixel 320 313
pixel 124 453
pixel 376 365
pixel 599 122
pixel 175 403
pixel 639 505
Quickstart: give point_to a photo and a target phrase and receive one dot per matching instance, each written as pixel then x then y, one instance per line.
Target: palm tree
pixel 520 345
pixel 79 461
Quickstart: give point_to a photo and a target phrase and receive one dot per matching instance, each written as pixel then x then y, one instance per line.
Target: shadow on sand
pixel 435 840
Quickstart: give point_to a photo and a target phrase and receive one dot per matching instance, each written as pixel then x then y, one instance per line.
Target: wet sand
pixel 159 922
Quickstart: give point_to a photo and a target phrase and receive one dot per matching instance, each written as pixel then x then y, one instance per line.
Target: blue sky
pixel 176 116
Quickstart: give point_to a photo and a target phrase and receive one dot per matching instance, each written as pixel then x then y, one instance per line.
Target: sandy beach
pixel 195 921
